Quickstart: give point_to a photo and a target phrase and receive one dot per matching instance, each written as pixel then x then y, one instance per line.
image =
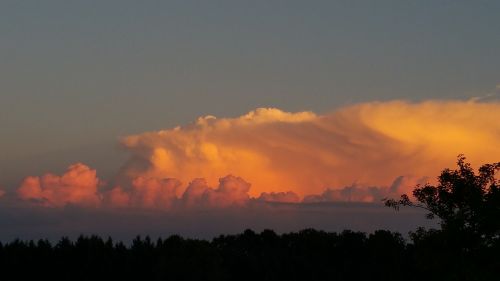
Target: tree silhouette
pixel 467 203
pixel 468 206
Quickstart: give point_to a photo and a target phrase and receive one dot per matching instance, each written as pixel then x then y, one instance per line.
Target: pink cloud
pixel 78 185
pixel 152 192
pixel 231 191
pixel 117 197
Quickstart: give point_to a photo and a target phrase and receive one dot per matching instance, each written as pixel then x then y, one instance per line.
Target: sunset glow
pixel 360 153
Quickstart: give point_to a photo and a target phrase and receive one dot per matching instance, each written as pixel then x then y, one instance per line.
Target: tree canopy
pixel 466 202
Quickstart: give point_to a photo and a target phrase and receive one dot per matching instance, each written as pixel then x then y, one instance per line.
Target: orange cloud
pixel 151 192
pixel 231 191
pixel 277 151
pixel 350 155
pixel 283 197
pixel 79 185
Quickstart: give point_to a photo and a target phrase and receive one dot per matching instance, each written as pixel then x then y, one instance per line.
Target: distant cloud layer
pixel 162 194
pixel 359 153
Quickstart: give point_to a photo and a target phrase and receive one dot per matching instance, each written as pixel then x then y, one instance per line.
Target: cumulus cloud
pixel 154 192
pixel 231 191
pixel 117 197
pixel 304 152
pixel 78 185
pixel 163 194
pixel 360 153
pixel 365 193
pixel 145 192
pixel 282 197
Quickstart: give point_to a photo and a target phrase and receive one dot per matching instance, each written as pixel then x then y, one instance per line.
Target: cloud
pixel 163 194
pixel 231 191
pixel 145 192
pixel 153 192
pixel 193 196
pixel 493 96
pixel 282 197
pixel 117 197
pixel 175 179
pixel 365 193
pixel 78 185
pixel 360 153
pixel 304 153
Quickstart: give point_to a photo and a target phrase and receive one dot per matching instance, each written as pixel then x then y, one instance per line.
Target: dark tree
pixel 468 206
pixel 467 203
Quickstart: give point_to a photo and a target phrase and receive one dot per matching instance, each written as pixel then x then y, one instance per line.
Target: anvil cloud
pixel 371 143
pixel 358 153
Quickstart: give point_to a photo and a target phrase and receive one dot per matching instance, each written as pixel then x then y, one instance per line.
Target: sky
pixel 315 101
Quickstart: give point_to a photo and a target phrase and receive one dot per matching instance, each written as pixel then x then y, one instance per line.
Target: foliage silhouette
pixel 306 255
pixel 468 206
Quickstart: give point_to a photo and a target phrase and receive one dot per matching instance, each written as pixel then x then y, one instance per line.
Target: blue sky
pixel 76 75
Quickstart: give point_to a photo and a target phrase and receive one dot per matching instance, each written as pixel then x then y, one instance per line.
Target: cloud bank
pixel 276 151
pixel 162 194
pixel 359 153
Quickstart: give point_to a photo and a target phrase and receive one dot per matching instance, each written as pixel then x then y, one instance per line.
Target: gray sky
pixel 34 223
pixel 76 75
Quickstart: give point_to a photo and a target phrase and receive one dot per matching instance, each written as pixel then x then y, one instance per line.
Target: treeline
pixel 466 247
pixel 306 255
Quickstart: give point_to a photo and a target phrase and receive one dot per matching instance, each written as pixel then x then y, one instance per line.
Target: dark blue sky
pixel 75 75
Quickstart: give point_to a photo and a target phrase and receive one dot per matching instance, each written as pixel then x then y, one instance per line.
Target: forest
pixel 466 246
